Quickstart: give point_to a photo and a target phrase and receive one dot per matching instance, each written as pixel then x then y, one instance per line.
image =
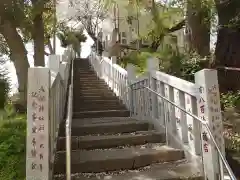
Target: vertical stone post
pixel 64 73
pixel 67 54
pixel 54 62
pixel 38 150
pixel 209 111
pixel 131 74
pixel 152 67
pixel 62 70
pixel 113 61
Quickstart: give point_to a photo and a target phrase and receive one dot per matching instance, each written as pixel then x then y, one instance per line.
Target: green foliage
pixel 21 14
pixel 4 50
pixel 190 64
pixel 172 61
pixel 8 112
pixel 70 37
pixel 232 140
pixel 4 88
pixel 3 92
pixel 179 63
pixel 230 99
pixel 136 58
pixel 12 146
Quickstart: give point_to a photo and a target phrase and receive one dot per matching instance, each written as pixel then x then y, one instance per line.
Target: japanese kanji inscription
pixel 38 117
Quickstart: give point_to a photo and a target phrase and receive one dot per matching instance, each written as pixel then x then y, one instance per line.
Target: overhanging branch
pixel 177 26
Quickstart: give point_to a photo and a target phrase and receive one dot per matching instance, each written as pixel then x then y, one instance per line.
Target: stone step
pixel 85 76
pixel 104 120
pixel 116 159
pixel 96 97
pixel 94 85
pixel 90 102
pixel 84 109
pixel 96 114
pixel 91 84
pixel 101 126
pixel 81 73
pixel 111 141
pixel 91 98
pixel 91 88
pixel 104 107
pixel 86 80
pixel 100 102
pixel 84 87
pixel 100 92
pixel 94 94
pixel 85 67
pixel 166 171
pixel 86 72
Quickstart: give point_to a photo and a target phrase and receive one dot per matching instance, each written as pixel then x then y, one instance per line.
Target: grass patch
pixel 12 148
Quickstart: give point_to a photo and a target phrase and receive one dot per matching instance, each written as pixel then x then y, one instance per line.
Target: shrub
pixel 172 61
pixel 12 148
pixel 230 99
pixel 4 88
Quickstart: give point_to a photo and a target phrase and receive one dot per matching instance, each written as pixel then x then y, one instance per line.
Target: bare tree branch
pixel 90 13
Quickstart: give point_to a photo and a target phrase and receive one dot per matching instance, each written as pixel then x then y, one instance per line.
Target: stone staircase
pixel 108 144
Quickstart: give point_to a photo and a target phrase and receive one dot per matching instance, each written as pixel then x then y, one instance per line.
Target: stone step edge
pixel 110 127
pixel 103 111
pixel 153 172
pixel 113 141
pixel 116 159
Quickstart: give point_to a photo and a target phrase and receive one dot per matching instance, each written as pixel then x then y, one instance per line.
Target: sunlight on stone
pixel 140 177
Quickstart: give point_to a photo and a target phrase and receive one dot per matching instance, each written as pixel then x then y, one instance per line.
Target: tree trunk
pixel 50 46
pixel 38 37
pixel 18 56
pixel 198 22
pixel 227 52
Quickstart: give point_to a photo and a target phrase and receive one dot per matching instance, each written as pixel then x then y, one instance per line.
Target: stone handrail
pixel 113 74
pixel 200 99
pixel 47 88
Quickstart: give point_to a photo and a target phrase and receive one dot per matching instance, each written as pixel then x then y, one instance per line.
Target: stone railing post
pixel 66 56
pixel 38 130
pixel 54 62
pixel 152 67
pixel 63 70
pixel 113 61
pixel 209 111
pixel 131 74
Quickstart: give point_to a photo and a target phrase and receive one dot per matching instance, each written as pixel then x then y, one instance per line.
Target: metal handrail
pixel 229 170
pixel 69 126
